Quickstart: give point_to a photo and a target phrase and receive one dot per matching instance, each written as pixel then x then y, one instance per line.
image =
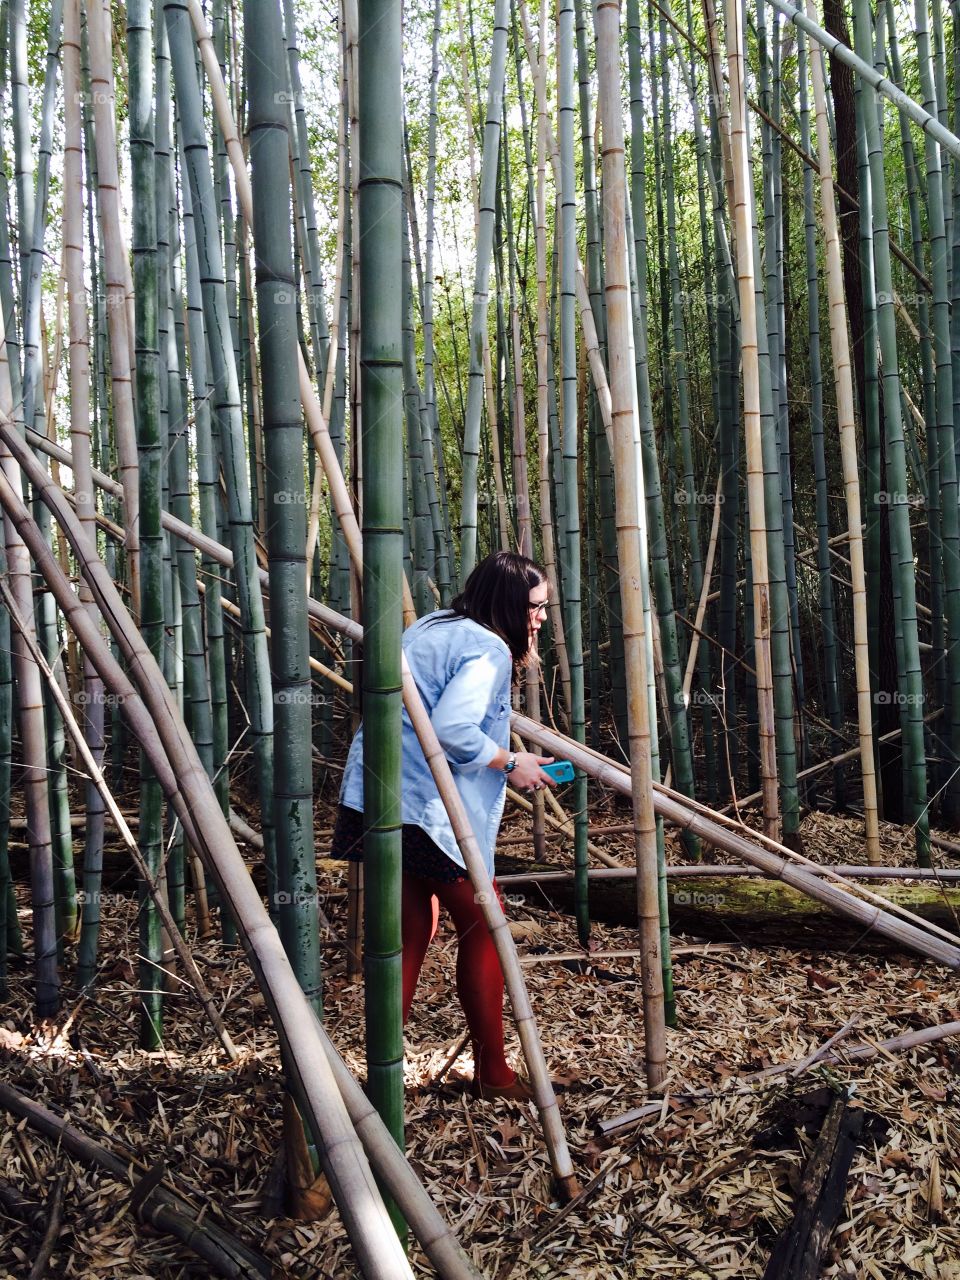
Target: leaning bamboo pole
pixel 928 123
pixel 152 714
pixel 97 781
pixel 503 940
pixel 29 699
pixel 631 531
pixel 843 377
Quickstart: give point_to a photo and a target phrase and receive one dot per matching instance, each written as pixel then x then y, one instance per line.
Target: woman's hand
pixel 527 773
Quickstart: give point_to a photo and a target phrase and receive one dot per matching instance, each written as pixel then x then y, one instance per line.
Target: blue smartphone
pixel 561 771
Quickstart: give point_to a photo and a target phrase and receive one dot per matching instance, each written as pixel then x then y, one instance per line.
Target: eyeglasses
pixel 537 609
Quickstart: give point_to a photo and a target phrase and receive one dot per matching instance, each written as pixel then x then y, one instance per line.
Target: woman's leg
pixel 479 981
pixel 418 917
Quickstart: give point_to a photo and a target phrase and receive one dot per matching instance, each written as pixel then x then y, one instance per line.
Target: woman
pixel 465 661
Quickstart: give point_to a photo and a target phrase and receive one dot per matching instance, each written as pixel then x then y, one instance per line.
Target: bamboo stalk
pixel 119 322
pixel 743 245
pixel 631 532
pixel 848 452
pixel 929 124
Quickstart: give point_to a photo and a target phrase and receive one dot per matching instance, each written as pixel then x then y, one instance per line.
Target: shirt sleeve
pixel 467 700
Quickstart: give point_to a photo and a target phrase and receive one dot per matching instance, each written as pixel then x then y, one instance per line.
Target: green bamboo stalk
pixel 911 676
pixel 286 526
pixel 150 450
pixel 944 448
pixel 570 565
pixel 227 411
pixel 380 214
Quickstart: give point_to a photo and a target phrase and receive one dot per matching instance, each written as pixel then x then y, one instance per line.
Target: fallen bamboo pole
pixel 783 865
pixel 835 1057
pixel 719 872
pixel 760 838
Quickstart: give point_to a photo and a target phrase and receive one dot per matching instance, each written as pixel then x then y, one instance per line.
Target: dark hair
pixel 497 595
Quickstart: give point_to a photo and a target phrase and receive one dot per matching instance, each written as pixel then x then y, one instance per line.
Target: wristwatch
pixel 511 763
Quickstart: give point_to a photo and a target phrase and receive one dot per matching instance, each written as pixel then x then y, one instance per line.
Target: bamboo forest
pixel 324 322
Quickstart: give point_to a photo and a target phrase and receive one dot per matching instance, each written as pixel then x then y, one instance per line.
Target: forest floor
pixel 700 1189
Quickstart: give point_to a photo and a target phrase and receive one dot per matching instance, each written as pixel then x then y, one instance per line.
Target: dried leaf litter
pixel 699 1189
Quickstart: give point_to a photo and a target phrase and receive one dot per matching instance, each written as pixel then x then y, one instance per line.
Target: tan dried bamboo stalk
pixel 116 271
pixel 839 344
pixel 316 422
pixel 783 863
pixel 717 77
pixel 750 378
pixel 547 524
pixel 631 531
pixel 95 775
pixel 306 1045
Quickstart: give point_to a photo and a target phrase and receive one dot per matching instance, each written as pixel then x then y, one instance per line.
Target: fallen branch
pixel 857 1053
pixel 162 1208
pixel 55 1217
pixel 799 1251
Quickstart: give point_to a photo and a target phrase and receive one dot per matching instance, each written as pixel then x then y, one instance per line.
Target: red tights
pixel 479 978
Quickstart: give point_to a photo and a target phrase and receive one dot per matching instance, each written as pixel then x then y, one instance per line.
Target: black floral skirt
pixel 421 857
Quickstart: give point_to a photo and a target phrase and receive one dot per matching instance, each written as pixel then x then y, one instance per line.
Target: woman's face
pixel 537 609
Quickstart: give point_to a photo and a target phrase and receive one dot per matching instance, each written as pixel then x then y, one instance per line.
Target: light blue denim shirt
pixel 463 672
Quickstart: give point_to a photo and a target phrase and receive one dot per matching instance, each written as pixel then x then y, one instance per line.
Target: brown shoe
pixel 518 1091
